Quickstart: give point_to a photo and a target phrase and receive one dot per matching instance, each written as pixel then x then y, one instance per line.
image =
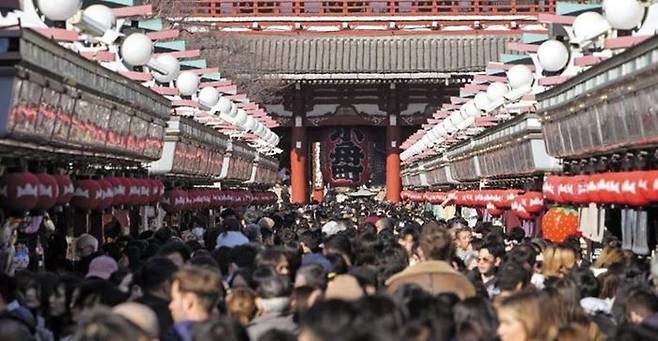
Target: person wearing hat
pixel 102 267
pixel 86 247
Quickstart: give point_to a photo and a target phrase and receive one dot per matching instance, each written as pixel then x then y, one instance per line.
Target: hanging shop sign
pixel 191 149
pixel 52 101
pixel 346 156
pixel 608 107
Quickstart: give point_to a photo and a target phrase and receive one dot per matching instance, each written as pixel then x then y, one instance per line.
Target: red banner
pixel 346 156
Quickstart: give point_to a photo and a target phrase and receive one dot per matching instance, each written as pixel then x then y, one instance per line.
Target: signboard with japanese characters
pixel 346 156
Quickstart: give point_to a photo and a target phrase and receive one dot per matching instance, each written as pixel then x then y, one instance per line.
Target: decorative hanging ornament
pixel 48 192
pixel 58 10
pixel 66 189
pixel 170 65
pixel 87 195
pixel 187 83
pixel 137 49
pixel 623 14
pixel 19 191
pixel 553 55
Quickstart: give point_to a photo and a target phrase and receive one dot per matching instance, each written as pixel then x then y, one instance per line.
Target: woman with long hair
pixel 520 317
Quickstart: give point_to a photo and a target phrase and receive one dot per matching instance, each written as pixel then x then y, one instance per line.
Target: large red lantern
pixel 493 210
pixel 559 223
pixel 519 207
pixel 119 188
pixel 534 202
pixel 580 189
pixel 19 191
pixel 565 190
pixel 610 190
pixel 174 201
pixel 650 193
pixel 632 187
pixel 550 188
pixel 66 189
pixel 107 194
pixel 87 195
pixel 48 192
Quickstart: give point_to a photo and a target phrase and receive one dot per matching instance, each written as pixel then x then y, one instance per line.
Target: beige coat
pixel 434 276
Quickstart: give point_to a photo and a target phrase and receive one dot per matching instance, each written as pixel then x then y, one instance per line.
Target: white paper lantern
pixel 623 14
pixel 168 63
pixel 234 110
pixel 249 124
pixel 58 10
pixel 98 18
pixel 275 140
pixel 482 100
pixel 470 109
pixel 208 97
pixel 261 129
pixel 455 118
pixel 553 55
pixel 187 83
pixel 519 76
pixel 589 25
pixel 224 105
pixel 137 49
pixel 496 91
pixel 448 126
pixel 241 117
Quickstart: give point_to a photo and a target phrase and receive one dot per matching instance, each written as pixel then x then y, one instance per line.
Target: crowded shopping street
pixel 328 170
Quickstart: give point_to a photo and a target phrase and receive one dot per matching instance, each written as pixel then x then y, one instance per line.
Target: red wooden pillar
pixel 298 164
pixel 298 152
pixel 393 181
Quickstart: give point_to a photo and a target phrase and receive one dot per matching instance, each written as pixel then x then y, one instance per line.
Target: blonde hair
pixel 526 307
pixel 557 259
pixel 609 255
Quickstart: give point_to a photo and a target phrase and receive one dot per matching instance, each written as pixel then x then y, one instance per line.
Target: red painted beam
pixel 204 71
pixel 183 54
pixel 624 42
pixel 587 60
pixel 164 35
pixel 488 78
pixel 133 11
pixel 101 56
pixel 137 76
pixel 552 80
pixel 520 47
pixel 58 34
pixel 556 19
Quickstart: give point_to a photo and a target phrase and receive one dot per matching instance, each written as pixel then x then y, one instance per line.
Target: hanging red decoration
pixel 534 202
pixel 107 194
pixel 19 191
pixel 119 188
pixel 559 223
pixel 174 201
pixel 66 189
pixel 493 210
pixel 87 195
pixel 48 192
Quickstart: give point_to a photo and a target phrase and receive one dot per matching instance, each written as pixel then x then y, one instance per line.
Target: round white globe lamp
pixel 224 105
pixel 623 14
pixel 137 49
pixel 58 10
pixel 553 55
pixel 208 97
pixel 496 91
pixel 98 19
pixel 589 25
pixel 169 64
pixel 519 76
pixel 187 83
pixel 482 100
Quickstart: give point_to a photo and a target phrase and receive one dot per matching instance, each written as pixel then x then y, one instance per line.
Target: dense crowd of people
pixel 351 271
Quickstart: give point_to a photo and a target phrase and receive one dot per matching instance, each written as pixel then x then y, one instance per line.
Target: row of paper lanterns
pixel 25 191
pixel 524 204
pixel 552 56
pixel 137 50
pixel 182 200
pixel 624 188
